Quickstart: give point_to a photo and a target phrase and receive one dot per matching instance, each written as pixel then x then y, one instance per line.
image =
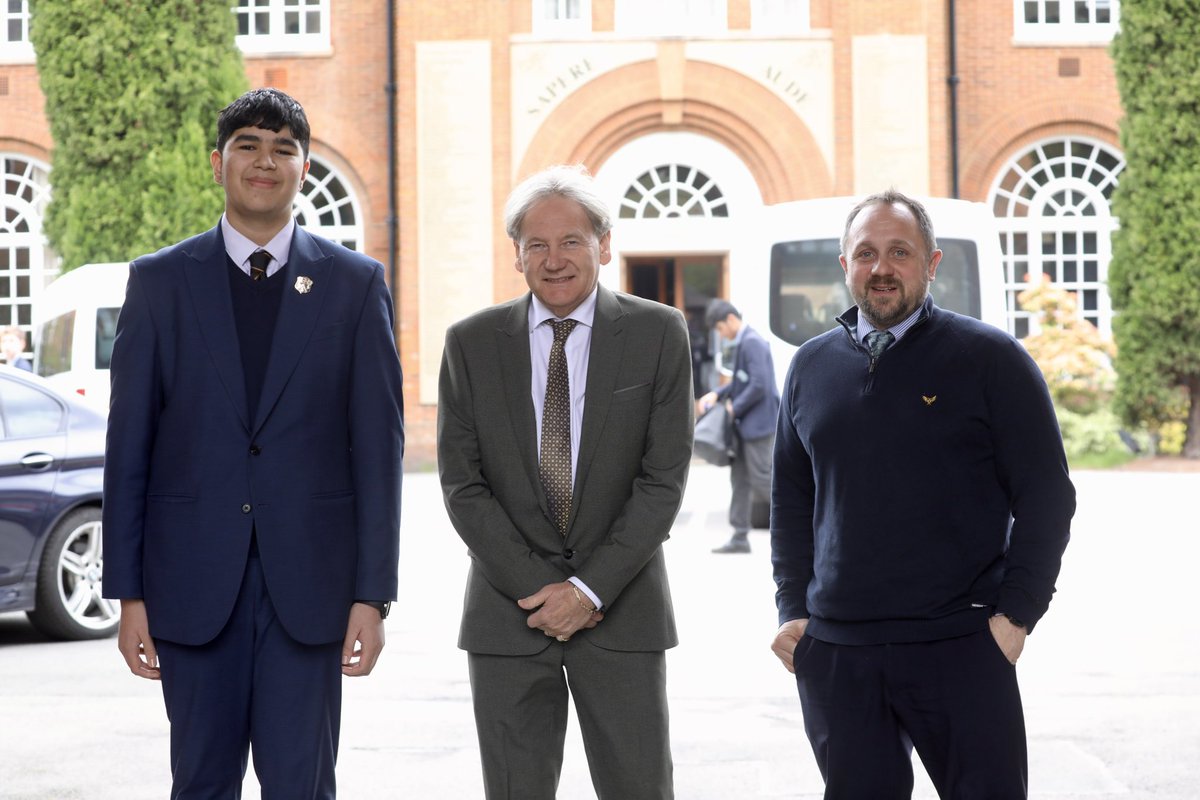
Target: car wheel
pixel 69 602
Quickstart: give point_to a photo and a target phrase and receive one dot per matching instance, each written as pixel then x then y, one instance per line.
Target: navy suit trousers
pixel 955 701
pixel 252 687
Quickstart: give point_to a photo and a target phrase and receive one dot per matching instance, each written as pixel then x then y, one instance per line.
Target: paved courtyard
pixel 1111 678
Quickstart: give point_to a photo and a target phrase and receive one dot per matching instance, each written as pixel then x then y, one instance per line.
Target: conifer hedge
pixel 132 92
pixel 1154 277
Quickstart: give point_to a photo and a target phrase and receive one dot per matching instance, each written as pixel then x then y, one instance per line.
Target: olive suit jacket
pixel 634 451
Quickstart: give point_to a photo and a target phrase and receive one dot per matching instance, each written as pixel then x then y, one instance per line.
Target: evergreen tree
pixel 133 88
pixel 1155 273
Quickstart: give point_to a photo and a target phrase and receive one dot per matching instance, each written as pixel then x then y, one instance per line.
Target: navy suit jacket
pixel 753 389
pixel 188 475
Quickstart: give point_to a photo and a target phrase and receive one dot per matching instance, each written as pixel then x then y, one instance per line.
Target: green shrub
pixel 1095 435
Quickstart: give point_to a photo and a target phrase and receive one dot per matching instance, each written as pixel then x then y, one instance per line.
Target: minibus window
pixel 808 288
pixel 106 334
pixel 54 345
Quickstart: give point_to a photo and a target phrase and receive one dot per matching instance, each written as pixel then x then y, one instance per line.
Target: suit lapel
pixel 512 342
pixel 207 275
pixel 604 362
pixel 297 316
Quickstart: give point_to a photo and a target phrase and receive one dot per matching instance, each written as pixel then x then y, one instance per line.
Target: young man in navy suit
pixel 753 398
pixel 252 474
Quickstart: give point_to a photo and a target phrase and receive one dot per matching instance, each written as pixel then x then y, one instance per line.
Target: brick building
pixel 692 114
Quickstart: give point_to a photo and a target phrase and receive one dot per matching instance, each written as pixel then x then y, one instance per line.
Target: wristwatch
pixel 382 607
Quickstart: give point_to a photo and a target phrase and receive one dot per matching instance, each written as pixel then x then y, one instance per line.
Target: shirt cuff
pixel 584 588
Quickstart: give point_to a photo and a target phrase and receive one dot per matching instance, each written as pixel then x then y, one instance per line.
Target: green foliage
pixel 1094 440
pixel 133 88
pixel 1075 360
pixel 1154 277
pixel 1077 365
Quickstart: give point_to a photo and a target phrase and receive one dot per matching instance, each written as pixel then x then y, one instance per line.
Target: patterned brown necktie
pixel 555 464
pixel 259 260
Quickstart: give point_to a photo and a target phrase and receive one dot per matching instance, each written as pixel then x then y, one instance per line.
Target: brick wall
pixel 1009 96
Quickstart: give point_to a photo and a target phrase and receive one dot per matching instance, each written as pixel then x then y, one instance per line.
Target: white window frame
pixel 1066 30
pixel 1023 199
pixel 671 17
pixel 687 189
pixel 318 196
pixel 29 205
pixel 20 51
pixel 780 17
pixel 560 25
pixel 276 41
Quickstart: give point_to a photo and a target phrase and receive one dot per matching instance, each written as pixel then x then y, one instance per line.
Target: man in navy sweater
pixel 753 400
pixel 920 509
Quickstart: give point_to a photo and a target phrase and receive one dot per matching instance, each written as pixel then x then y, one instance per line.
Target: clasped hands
pixel 558 612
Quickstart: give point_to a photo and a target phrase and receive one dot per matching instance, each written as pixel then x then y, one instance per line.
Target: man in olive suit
pixel 564 438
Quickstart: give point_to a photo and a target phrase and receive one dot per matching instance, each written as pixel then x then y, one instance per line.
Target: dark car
pixel 51 475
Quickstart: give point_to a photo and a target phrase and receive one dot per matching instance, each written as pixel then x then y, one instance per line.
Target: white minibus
pixel 796 285
pixel 75 323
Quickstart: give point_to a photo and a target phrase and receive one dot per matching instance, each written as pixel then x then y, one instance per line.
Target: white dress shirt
pixel 239 248
pixel 577 349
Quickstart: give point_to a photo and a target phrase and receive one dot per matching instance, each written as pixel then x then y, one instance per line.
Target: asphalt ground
pixel 1111 677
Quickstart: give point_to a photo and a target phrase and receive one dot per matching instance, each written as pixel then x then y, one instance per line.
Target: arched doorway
pixel 683 206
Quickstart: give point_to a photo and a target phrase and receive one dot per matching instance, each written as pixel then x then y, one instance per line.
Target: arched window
pixel 1052 205
pixel 673 190
pixel 24 191
pixel 327 207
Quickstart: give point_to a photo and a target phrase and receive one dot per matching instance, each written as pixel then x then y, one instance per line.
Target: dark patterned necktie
pixel 877 342
pixel 555 464
pixel 259 260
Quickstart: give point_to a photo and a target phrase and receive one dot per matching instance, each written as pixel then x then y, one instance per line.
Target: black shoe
pixel 738 544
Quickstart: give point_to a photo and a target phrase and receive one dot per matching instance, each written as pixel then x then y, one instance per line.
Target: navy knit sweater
pixel 255 311
pixel 915 496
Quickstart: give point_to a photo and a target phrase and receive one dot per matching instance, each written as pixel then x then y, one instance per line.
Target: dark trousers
pixel 252 687
pixel 749 477
pixel 521 716
pixel 955 700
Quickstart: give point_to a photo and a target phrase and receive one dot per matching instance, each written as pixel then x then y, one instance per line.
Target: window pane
pixel 1052 11
pixel 106 334
pixel 54 345
pixel 808 287
pixel 28 412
